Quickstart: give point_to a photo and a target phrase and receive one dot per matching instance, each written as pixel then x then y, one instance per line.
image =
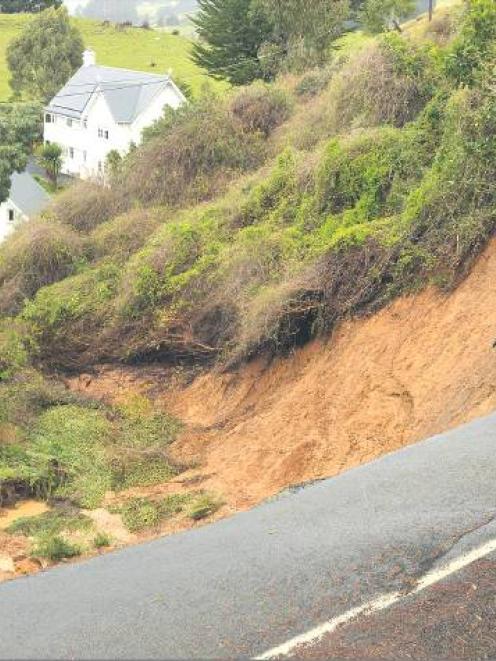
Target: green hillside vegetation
pixel 131 48
pixel 246 224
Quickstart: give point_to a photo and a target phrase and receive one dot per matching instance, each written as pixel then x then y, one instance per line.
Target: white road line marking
pixel 380 603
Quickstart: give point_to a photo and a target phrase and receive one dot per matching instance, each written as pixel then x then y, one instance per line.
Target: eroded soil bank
pixel 419 367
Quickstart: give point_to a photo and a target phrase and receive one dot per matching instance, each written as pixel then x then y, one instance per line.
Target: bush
pixel 123 236
pixel 203 506
pixel 102 540
pixel 55 548
pixel 59 520
pixel 86 205
pixel 474 46
pixel 140 513
pixel 388 81
pixel 261 108
pixel 13 353
pixel 39 253
pixel 312 83
pixel 191 155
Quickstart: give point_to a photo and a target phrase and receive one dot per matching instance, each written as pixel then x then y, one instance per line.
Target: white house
pixel 26 199
pixel 102 109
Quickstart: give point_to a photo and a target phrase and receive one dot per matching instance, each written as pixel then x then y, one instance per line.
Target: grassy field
pixel 133 48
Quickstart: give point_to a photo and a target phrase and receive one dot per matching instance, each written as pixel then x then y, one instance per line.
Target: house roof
pixel 127 92
pixel 27 195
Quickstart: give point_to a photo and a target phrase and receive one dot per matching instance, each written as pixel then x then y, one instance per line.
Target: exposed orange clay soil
pixel 421 366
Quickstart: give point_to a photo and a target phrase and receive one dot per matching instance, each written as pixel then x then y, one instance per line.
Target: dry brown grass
pixel 39 253
pixel 261 108
pixel 86 205
pixel 194 157
pixel 368 90
pixel 122 236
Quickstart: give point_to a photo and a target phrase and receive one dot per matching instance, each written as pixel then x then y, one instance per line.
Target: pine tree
pixel 231 33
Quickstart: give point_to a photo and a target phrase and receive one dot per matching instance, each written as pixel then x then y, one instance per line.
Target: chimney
pixel 89 58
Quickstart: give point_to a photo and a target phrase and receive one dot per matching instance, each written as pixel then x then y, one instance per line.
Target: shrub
pixel 312 83
pixel 124 235
pixel 102 540
pixel 67 454
pixel 86 205
pixel 81 303
pixel 191 154
pixel 59 520
pixel 203 506
pixel 39 253
pixel 55 548
pixel 388 81
pixel 474 46
pixel 140 513
pixel 13 353
pixel 69 448
pixel 261 108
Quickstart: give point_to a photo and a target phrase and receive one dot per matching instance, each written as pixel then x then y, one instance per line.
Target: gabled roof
pixel 27 194
pixel 126 92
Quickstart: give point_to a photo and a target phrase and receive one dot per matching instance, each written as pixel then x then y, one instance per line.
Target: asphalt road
pixel 249 583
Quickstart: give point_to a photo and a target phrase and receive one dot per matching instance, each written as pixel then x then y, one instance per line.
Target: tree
pixel 27 6
pixel 377 15
pixel 50 157
pixel 20 129
pixel 113 164
pixel 45 55
pixel 307 26
pixel 231 33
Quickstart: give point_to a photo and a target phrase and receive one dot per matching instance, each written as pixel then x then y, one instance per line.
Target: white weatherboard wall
pixel 86 142
pixel 6 225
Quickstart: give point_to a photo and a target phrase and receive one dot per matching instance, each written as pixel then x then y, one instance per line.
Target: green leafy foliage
pixel 474 48
pixel 55 548
pixel 71 449
pixel 231 33
pixel 102 540
pixel 141 513
pixel 54 522
pixel 20 128
pixel 50 158
pixel 45 55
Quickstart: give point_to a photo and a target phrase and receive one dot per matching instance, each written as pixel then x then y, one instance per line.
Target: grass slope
pixel 133 48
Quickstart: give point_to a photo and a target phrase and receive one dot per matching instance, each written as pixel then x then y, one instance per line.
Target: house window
pixel 85 156
pixel 71 152
pixel 100 166
pixel 48 118
pixel 69 122
pixel 11 215
pixel 103 133
pixel 85 123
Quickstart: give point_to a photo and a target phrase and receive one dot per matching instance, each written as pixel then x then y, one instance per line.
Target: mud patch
pixel 23 509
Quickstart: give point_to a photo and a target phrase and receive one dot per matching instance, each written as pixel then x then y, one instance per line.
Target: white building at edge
pixel 26 200
pixel 102 109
